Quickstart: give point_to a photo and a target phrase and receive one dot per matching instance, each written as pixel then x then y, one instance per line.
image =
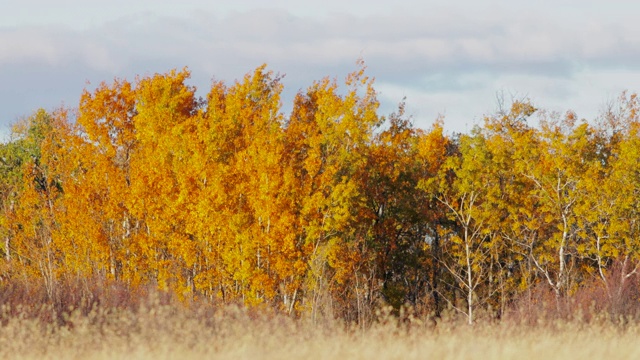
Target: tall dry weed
pixel 116 322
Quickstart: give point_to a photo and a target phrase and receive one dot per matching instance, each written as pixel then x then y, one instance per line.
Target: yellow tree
pixel 206 180
pixel 163 104
pixel 607 214
pixel 238 210
pixel 326 138
pixel 509 138
pixel 555 165
pixel 463 186
pixel 34 219
pixel 97 153
pixel 256 247
pixel 120 211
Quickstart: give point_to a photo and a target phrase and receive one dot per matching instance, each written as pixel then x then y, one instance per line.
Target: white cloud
pixel 444 59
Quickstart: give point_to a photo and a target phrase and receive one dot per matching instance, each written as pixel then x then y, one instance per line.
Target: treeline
pixel 333 210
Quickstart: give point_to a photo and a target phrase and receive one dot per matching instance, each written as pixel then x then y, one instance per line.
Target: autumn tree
pixel 331 210
pixel 15 155
pixel 462 188
pixel 607 213
pixel 98 153
pixel 327 135
pixel 509 139
pixel 395 212
pixel 35 217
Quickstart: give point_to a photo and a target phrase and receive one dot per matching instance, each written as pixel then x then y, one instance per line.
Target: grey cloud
pixel 282 39
pixel 436 53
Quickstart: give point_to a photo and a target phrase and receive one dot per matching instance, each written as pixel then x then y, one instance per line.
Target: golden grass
pixel 158 331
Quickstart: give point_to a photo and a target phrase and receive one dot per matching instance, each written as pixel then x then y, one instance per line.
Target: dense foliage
pixel 330 210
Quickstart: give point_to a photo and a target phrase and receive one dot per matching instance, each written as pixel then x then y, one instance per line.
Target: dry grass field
pixel 160 331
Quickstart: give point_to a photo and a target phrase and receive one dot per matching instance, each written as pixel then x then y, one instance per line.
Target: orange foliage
pixel 331 209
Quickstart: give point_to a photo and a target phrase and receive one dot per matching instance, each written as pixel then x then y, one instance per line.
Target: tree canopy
pixel 331 209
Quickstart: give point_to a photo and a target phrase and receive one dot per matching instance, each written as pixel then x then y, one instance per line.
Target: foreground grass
pixel 156 331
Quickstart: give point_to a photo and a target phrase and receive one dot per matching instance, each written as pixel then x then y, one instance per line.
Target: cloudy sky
pixel 449 57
